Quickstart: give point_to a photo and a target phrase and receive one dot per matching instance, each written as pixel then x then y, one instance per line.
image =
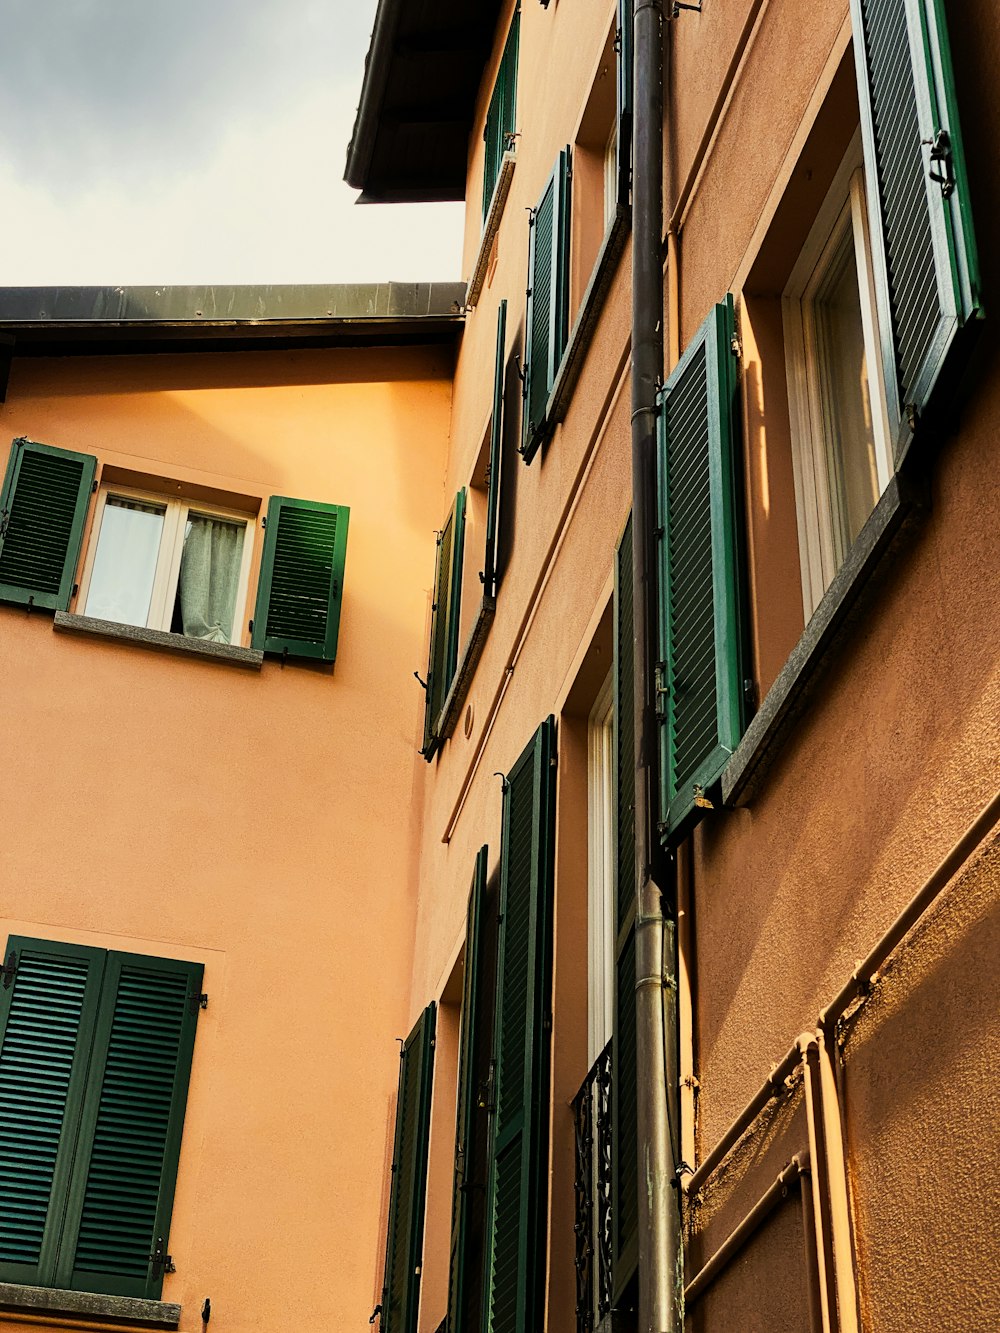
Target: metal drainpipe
pixel 660 1263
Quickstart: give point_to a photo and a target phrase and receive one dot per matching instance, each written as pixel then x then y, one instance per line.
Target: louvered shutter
pixel 548 301
pixel 122 1187
pixel 47 1016
pixel 624 1178
pixel 496 456
pixel 624 71
pixel 699 680
pixel 518 1176
pixel 43 508
pixel 465 1281
pixel 502 112
pixel 301 578
pixel 405 1240
pixel 445 612
pixel 919 204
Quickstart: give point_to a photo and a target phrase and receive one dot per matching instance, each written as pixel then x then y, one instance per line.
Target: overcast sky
pixel 194 141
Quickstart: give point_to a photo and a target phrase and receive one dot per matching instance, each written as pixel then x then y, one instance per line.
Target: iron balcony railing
pixel 592 1116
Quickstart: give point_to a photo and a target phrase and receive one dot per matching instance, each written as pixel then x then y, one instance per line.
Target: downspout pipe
pixel 659 1253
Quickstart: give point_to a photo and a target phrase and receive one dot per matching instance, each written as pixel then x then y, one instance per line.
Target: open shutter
pixel 465 1283
pixel 43 508
pixel 445 611
pixel 919 204
pixel 699 676
pixel 496 456
pixel 301 578
pixel 405 1241
pixel 122 1188
pixel 624 1179
pixel 518 1176
pixel 623 45
pixel 548 301
pixel 48 1006
pixel 501 115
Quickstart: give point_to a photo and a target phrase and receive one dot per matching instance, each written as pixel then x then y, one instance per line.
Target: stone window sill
pixel 159 640
pixel 852 589
pixel 492 225
pixel 88 1305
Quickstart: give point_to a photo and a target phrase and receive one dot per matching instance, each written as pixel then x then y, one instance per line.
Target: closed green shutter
pixel 919 204
pixel 496 456
pixel 518 1176
pixel 547 321
pixel 94 1067
pixel 301 578
pixel 623 44
pixel 47 1016
pixel 624 1179
pixel 699 677
pixel 445 613
pixel 43 508
pixel 465 1282
pixel 501 117
pixel 405 1240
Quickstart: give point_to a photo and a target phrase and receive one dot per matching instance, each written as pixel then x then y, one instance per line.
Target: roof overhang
pixel 422 76
pixel 58 321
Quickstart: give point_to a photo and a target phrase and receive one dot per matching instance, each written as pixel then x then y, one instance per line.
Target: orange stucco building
pixel 817 1123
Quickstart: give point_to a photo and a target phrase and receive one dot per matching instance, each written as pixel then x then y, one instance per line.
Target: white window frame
pixel 168 561
pixel 820 552
pixel 611 177
pixel 600 872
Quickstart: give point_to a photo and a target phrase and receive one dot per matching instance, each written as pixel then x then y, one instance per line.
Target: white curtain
pixel 210 574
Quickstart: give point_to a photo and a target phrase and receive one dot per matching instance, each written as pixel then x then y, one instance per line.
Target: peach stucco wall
pixel 263 824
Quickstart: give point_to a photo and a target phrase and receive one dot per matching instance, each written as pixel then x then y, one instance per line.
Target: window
pixel 841 456
pixel 445 616
pixel 95 1056
pixel 601 871
pixel 168 564
pixel 501 117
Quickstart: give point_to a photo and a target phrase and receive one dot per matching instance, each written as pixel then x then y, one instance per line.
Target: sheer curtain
pixel 209 577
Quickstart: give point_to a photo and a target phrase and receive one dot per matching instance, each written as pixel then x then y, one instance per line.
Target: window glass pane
pixel 209 578
pixel 854 486
pixel 121 583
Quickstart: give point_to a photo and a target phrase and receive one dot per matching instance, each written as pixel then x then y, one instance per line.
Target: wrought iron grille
pixel 592 1116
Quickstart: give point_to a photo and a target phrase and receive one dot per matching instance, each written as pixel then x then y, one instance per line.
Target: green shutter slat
pixel 404 1243
pixel 43 509
pixel 517 1194
pixel 624 1179
pixel 501 116
pixel 301 578
pixel 46 1023
pixel 624 83
pixel 547 318
pixel 445 616
pixel 121 1193
pixel 490 563
pixel 701 618
pixel 923 237
pixel 465 1268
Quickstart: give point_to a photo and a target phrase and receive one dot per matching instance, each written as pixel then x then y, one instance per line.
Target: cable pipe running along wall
pixel 660 1259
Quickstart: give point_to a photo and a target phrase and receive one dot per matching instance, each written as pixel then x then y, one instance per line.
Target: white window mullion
pixel 161 604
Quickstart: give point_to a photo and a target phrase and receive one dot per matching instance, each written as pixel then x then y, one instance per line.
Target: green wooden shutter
pixel 922 232
pixel 624 69
pixel 47 1016
pixel 501 117
pixel 699 676
pixel 301 578
pixel 547 321
pixel 518 1176
pixel 445 612
pixel 496 456
pixel 405 1241
pixel 121 1191
pixel 463 1312
pixel 43 508
pixel 624 1178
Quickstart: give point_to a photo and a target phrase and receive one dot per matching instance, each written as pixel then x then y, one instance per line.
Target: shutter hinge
pixel 335 588
pixel 9 970
pixel 93 487
pixel 263 522
pixel 250 623
pixel 618 41
pixel 750 692
pixel 160 1260
pixel 661 691
pixel 735 346
pixel 912 415
pixel 486 1101
pixel 940 147
pixel 700 799
pixel 197 1000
